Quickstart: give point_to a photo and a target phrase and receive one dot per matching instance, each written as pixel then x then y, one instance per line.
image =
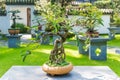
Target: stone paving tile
pixel 114 50
pixel 3 43
pixel 78 73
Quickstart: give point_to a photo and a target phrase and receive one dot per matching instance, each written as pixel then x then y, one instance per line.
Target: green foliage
pixel 87 44
pixel 64 63
pixel 29 48
pixel 55 17
pixel 84 5
pixel 91 17
pixel 2 8
pixel 2 5
pixel 22 27
pixel 115 16
pixel 14 17
pixel 63 3
pixel 73 12
pixel 103 4
pixel 70 35
pixel 115 42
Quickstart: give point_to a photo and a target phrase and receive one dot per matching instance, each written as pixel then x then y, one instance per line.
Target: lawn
pixel 11 57
pixel 115 42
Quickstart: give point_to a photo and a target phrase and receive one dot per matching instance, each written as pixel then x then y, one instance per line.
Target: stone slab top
pixel 78 73
pixel 93 39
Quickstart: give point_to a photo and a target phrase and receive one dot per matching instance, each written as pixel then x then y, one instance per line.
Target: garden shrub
pixel 70 35
pixel 22 27
pixel 103 4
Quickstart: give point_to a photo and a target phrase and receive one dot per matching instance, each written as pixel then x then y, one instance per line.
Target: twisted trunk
pixel 58 55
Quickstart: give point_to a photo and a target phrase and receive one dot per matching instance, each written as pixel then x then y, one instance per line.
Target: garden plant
pixel 57 24
pixel 14 30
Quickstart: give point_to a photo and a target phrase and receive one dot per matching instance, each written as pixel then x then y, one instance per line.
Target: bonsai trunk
pixel 58 55
pixel 14 23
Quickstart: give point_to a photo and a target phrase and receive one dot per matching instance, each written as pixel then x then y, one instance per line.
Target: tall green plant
pixel 115 16
pixel 91 17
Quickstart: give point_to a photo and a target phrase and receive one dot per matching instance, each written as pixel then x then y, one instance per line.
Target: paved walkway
pixel 78 73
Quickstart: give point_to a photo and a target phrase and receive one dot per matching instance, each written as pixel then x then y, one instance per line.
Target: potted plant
pixel 90 19
pixel 14 30
pixel 55 15
pixel 114 19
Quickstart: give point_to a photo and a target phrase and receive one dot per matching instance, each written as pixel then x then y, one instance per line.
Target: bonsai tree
pixel 90 18
pixel 56 19
pixel 14 17
pixel 55 16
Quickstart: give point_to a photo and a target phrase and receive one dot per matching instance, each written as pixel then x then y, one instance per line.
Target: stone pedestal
pixel 97 49
pixel 99 44
pixel 81 44
pixel 45 38
pixel 13 41
pixel 113 31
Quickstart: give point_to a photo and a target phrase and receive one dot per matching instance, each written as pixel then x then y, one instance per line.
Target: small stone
pixel 117 51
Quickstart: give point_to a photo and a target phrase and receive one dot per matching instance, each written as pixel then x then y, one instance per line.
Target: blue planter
pixel 13 41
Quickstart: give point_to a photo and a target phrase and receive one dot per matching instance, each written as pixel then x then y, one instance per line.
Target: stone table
pixel 78 73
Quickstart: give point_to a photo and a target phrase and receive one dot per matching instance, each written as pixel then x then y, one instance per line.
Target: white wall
pixel 106 21
pixel 102 29
pixel 5 23
pixel 23 12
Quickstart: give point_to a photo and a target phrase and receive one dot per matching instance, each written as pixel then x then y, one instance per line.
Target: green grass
pixel 115 42
pixel 12 57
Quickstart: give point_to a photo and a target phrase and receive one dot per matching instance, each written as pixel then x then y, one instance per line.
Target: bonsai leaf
pixel 28 52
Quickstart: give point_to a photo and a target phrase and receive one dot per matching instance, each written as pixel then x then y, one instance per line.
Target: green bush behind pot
pixel 22 27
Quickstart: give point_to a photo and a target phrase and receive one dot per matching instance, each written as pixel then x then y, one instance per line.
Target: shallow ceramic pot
pixel 59 70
